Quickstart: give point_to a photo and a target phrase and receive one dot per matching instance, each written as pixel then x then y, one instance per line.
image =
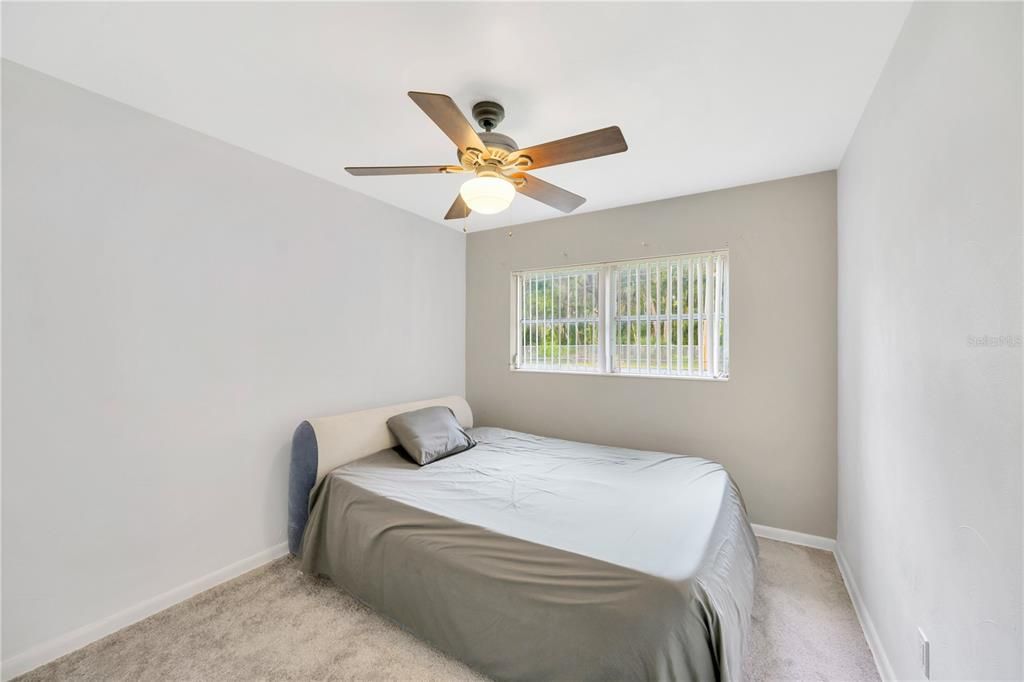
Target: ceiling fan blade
pixel 397 170
pixel 444 112
pixel 576 148
pixel 546 193
pixel 458 209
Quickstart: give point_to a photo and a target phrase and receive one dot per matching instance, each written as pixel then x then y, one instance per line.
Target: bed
pixel 531 558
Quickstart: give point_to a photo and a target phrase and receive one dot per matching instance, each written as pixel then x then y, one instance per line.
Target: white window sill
pixel 524 370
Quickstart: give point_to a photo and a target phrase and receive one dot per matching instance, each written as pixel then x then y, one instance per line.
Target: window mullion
pixel 611 323
pixel 602 319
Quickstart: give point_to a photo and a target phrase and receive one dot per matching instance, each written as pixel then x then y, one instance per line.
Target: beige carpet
pixel 276 624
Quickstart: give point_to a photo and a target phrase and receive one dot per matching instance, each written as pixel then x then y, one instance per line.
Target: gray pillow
pixel 430 434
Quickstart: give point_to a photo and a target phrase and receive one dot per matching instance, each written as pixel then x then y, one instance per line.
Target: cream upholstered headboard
pixel 319 445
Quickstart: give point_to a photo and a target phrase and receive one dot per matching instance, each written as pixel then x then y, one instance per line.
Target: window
pixel 559 320
pixel 665 317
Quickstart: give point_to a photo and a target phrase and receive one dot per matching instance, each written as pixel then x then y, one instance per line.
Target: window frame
pixel 607 315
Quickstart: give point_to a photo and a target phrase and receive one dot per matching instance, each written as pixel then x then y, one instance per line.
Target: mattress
pixel 533 558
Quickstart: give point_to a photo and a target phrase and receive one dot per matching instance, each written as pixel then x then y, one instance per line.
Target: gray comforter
pixel 532 558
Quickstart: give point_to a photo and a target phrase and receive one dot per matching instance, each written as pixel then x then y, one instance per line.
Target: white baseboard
pixel 885 670
pixel 76 639
pixel 794 538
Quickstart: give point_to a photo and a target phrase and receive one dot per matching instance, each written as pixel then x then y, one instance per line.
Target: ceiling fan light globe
pixel 487 194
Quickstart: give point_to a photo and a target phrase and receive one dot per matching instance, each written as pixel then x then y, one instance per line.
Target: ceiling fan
pixel 498 164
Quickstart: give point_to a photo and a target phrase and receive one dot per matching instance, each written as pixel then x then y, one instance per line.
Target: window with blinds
pixel 664 317
pixel 558 316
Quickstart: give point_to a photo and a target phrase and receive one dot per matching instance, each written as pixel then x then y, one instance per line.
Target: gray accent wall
pixel 773 424
pixel 173 307
pixel 930 283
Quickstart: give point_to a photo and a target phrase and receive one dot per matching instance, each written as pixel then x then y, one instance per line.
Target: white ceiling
pixel 707 95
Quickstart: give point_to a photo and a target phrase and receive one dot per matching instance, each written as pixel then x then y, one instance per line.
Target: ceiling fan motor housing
pixel 500 141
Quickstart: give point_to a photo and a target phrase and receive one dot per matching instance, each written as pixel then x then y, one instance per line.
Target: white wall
pixel 173 306
pixel 773 424
pixel 929 422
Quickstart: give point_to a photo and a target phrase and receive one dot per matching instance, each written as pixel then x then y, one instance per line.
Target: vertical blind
pixel 558 320
pixel 655 317
pixel 671 316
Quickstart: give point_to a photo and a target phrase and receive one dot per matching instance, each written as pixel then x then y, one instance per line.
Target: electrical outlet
pixel 926 654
